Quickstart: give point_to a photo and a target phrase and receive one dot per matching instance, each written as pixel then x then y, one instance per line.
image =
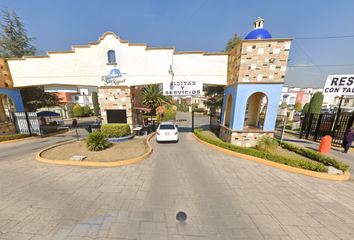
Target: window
pixel 76 98
pixel 111 56
pixel 116 116
pixel 84 91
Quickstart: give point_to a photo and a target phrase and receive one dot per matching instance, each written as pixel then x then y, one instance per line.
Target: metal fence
pixel 279 127
pixel 200 120
pixel 215 121
pixel 316 126
pixel 26 122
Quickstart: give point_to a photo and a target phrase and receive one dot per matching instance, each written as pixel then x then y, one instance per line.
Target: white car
pixel 167 131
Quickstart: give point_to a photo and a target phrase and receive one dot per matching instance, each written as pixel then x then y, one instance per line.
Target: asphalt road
pixel 224 197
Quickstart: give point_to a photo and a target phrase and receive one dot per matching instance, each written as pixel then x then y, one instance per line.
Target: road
pixel 224 197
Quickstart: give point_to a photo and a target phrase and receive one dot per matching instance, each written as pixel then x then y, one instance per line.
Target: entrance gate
pixel 26 122
pixel 211 122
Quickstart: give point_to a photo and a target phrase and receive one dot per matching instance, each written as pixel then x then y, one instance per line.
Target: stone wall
pixel 115 98
pixel 7 128
pixel 250 61
pixel 242 138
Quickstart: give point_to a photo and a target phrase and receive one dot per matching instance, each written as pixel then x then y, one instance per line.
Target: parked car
pixel 325 110
pixel 297 113
pixel 166 132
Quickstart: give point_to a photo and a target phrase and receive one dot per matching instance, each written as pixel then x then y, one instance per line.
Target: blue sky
pixel 58 25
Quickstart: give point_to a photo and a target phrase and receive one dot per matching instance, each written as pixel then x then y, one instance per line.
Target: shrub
pixel 96 141
pixel 316 156
pixel 13 137
pixel 267 144
pixel 288 127
pixel 78 111
pixel 87 110
pixel 293 162
pixel 115 130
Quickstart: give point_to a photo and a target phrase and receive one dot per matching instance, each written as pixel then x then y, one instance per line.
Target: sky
pixel 202 25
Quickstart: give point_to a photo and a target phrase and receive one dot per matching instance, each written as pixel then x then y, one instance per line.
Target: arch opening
pixel 6 107
pixel 228 109
pixel 111 56
pixel 256 111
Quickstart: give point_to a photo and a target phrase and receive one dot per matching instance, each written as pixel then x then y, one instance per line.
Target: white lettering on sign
pixel 339 84
pixel 183 88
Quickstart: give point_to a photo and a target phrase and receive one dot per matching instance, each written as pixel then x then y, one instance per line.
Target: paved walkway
pixel 224 197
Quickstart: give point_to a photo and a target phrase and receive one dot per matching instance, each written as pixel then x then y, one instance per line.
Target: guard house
pixel 10 100
pixel 255 77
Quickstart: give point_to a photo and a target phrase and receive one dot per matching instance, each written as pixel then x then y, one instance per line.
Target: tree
pixel 153 97
pixel 215 96
pixel 87 110
pixel 78 111
pixel 236 39
pixel 305 109
pixel 316 103
pixel 35 97
pixel 298 106
pixel 14 41
pixel 284 104
pixel 95 103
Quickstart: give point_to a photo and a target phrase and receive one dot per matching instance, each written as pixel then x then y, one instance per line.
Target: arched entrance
pixel 6 107
pixel 228 109
pixel 255 112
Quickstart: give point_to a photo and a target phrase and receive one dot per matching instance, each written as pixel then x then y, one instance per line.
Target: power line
pixel 329 65
pixel 187 21
pixel 309 58
pixel 344 36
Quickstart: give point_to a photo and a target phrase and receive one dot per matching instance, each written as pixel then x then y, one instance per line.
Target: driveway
pixel 224 197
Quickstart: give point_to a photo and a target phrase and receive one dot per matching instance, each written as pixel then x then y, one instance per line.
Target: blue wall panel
pixel 15 95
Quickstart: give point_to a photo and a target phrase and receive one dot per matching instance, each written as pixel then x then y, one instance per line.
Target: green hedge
pixel 13 137
pixel 293 162
pixel 115 130
pixel 316 156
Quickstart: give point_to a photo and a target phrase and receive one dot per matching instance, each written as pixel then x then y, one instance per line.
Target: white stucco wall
pixel 86 64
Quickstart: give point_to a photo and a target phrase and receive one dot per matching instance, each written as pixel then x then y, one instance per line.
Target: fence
pixel 279 126
pixel 215 121
pixel 26 122
pixel 316 126
pixel 200 120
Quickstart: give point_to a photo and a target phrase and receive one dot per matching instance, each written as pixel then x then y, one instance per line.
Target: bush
pixel 87 111
pixel 13 137
pixel 293 162
pixel 96 141
pixel 316 156
pixel 115 130
pixel 288 127
pixel 78 111
pixel 169 113
pixel 267 144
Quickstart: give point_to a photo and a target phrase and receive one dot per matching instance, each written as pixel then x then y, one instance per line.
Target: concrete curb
pixel 29 138
pixel 94 164
pixel 327 176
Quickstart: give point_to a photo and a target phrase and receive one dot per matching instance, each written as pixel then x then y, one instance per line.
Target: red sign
pixel 160 110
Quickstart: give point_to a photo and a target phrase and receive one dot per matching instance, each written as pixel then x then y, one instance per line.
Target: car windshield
pixel 163 127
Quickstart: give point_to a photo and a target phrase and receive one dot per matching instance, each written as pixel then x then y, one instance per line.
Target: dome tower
pixel 258 31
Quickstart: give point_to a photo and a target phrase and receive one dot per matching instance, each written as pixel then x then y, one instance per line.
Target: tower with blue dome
pixel 256 74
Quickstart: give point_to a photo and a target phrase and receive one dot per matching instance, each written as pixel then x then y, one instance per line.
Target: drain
pixel 181 216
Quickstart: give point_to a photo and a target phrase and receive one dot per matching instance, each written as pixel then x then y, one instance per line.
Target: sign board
pixel 183 88
pixel 339 85
pixel 160 110
pixel 114 79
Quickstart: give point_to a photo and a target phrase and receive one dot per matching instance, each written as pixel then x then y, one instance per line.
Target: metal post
pixel 338 115
pixel 192 122
pixel 211 115
pixel 282 133
pixel 317 127
pixel 28 124
pixel 309 126
pixel 303 125
pixel 77 136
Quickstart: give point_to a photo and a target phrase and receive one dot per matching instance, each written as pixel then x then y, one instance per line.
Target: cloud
pixel 148 15
pixel 298 66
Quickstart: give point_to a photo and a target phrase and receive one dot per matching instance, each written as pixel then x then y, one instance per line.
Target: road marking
pixel 189 137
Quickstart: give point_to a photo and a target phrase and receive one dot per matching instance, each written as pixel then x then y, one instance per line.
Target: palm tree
pixel 153 96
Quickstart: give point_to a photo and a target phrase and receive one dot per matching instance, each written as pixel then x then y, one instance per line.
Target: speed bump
pixel 181 120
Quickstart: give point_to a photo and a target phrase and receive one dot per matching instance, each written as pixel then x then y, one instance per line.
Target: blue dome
pixel 114 71
pixel 259 33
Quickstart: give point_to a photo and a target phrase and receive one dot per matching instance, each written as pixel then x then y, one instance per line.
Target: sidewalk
pixel 346 158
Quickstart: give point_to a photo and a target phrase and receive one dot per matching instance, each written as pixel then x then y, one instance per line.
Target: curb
pixel 327 176
pixel 94 164
pixel 29 138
